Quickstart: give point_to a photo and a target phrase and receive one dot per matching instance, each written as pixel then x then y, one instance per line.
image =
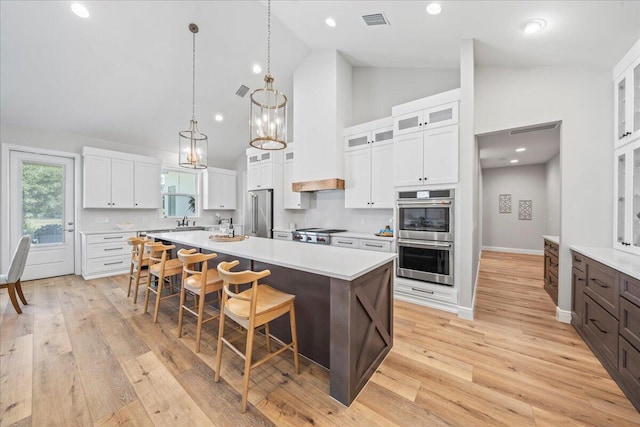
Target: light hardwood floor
pixel 83 354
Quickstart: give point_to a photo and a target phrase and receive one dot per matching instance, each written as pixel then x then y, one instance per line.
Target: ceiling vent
pixel 376 19
pixel 534 129
pixel 242 91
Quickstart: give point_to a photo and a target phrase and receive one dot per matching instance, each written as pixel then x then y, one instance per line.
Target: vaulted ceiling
pixel 124 74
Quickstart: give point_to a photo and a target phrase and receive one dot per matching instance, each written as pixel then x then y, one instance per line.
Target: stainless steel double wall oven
pixel 425 229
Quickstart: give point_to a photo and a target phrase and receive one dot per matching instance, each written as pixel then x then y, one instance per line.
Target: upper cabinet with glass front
pixel 627 97
pixel 626 186
pixel 427 113
pixel 627 198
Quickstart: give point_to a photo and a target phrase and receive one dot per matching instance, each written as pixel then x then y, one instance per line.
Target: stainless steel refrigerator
pixel 259 217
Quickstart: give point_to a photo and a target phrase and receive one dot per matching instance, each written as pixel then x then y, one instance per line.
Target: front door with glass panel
pixel 42 205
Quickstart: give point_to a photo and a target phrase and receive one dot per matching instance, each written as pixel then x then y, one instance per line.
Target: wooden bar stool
pixel 200 284
pixel 162 268
pixel 255 307
pixel 139 260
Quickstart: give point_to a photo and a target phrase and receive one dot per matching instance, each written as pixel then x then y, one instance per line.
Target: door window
pixel 43 202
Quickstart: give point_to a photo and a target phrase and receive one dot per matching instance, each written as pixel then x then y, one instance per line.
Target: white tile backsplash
pixel 328 211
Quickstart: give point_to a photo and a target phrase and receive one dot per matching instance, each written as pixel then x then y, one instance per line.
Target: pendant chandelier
pixel 193 144
pixel 268 129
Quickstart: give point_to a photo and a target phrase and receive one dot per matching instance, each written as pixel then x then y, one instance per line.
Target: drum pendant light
pixel 193 144
pixel 268 123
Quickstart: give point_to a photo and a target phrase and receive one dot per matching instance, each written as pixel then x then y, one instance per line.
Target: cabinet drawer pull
pixel 113 249
pixel 345 243
pixel 422 290
pixel 595 323
pixel 580 279
pixel 113 263
pixel 576 259
pixel 110 238
pixel 599 283
pixel 373 246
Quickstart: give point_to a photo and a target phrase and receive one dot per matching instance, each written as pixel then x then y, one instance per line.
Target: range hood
pixel 318 185
pixel 321 109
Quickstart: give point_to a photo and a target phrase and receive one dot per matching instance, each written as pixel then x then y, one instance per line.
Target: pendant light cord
pixel 193 96
pixel 269 37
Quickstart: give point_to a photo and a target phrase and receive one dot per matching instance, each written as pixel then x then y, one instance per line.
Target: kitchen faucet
pixel 184 222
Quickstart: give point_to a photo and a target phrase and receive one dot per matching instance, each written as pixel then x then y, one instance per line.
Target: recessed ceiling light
pixel 520 150
pixel 257 69
pixel 80 10
pixel 513 161
pixel 434 8
pixel 218 117
pixel 534 25
pixel 330 22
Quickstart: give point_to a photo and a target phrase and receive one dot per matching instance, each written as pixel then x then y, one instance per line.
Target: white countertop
pixel 136 229
pixel 340 263
pixel 624 262
pixel 552 239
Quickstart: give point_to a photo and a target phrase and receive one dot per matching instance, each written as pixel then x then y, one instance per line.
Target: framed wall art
pixel 504 203
pixel 525 210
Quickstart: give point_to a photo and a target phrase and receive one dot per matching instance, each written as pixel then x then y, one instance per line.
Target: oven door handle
pixel 422 203
pixel 419 244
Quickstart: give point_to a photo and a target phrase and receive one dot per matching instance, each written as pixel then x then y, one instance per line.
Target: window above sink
pixel 180 194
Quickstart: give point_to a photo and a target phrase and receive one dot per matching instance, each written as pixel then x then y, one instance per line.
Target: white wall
pixel 376 90
pixel 553 177
pixel 468 213
pixel 582 99
pixel 505 230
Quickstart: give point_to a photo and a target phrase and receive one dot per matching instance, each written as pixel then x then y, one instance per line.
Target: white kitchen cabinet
pixel 381 132
pixel 369 165
pixel 352 242
pixel 108 183
pixel 425 158
pixel 147 185
pixel 282 235
pixel 369 177
pixel 425 119
pixel 292 199
pixel 105 254
pixel 219 189
pixel 261 166
pixel 119 180
pixel 627 104
pixel 627 198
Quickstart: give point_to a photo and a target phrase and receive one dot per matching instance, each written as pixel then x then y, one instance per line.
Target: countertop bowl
pixel 125 226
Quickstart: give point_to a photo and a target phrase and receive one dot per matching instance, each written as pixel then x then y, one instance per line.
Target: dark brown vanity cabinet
pixel 606 313
pixel 551 269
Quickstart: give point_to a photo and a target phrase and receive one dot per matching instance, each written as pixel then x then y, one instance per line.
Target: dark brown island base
pixel 344 300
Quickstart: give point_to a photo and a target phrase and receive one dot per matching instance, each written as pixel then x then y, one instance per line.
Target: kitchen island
pixel 344 300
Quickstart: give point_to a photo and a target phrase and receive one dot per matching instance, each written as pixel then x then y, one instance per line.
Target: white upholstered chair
pixel 11 280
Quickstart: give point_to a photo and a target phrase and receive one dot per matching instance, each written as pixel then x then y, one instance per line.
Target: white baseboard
pixel 563 316
pixel 465 313
pixel 513 250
